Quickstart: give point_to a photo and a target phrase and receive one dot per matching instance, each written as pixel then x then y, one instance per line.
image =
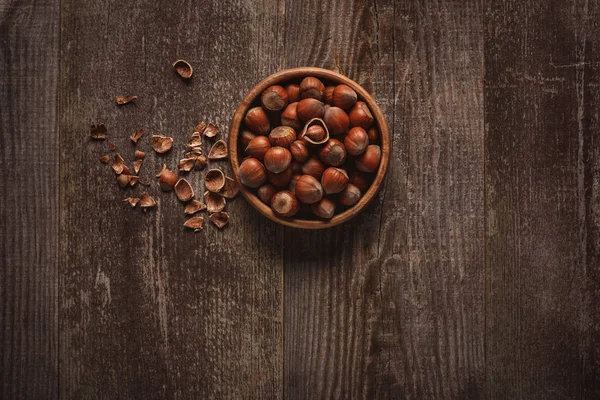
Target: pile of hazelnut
pixel 311 149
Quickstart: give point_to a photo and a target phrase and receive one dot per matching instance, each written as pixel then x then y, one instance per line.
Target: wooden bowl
pixel 282 78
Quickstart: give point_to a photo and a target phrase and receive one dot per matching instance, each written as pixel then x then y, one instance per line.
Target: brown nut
pixel 299 151
pixel 284 203
pixel 296 167
pixel 334 180
pixel 289 117
pixel 308 189
pixel 373 134
pixel 360 115
pixel 313 167
pixel 344 97
pixel 336 120
pixel 369 160
pixel 360 180
pixel 252 173
pixel 350 195
pixel 293 91
pixel 310 108
pixel 311 87
pixel 282 136
pixel 281 179
pixel 324 209
pixel 356 141
pixel 329 95
pixel 256 120
pixel 333 153
pixel 246 136
pixel 258 147
pixel 265 193
pixel 277 159
pixel 293 182
pixel 315 132
pixel 167 179
pixel 274 98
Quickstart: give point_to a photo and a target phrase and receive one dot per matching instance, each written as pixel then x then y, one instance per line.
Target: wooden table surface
pixel 475 273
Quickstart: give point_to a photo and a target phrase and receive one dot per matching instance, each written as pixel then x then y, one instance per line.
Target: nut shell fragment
pixel 218 151
pixel 195 223
pixel 200 127
pixel 184 190
pixel 139 155
pixel 183 68
pixel 194 206
pixel 146 201
pixel 195 141
pixel 220 219
pixel 132 201
pixel 167 179
pixel 230 190
pixel 98 132
pixel 118 164
pixel 162 144
pixel 214 202
pixel 307 138
pixel 214 180
pixel 125 99
pixel 105 159
pixel 111 146
pixel 211 130
pixel 188 164
pixel 137 164
pixel 136 135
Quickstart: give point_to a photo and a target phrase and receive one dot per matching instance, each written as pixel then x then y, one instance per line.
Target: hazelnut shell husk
pixel 184 190
pixel 214 180
pixel 308 135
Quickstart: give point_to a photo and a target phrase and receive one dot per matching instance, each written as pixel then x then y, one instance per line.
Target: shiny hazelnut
pixel 299 151
pixel 334 180
pixel 310 108
pixel 308 190
pixel 344 97
pixel 337 121
pixel 315 132
pixel 333 153
pixel 313 167
pixel 246 136
pixel 274 98
pixel 324 209
pixel 284 204
pixel 293 182
pixel 311 87
pixel 360 115
pixel 277 159
pixel 265 193
pixel 281 179
pixel 167 179
pixel 258 147
pixel 252 173
pixel 296 167
pixel 356 141
pixel 282 136
pixel 293 91
pixel 329 95
pixel 256 120
pixel 289 117
pixel 373 134
pixel 360 180
pixel 350 195
pixel 369 160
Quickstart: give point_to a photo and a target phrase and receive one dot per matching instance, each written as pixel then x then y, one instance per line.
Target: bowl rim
pixel 289 75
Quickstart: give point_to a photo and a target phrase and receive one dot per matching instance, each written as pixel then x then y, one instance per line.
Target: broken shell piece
pixel 126 170
pixel 183 68
pixel 167 179
pixel 111 146
pixel 211 130
pixel 125 99
pixel 135 136
pixel 230 190
pixel 200 162
pixel 220 219
pixel 214 202
pixel 218 151
pixel 314 121
pixel 184 190
pixel 132 180
pixel 200 127
pixel 123 180
pixel 194 206
pixel 132 201
pixel 137 164
pixel 195 152
pixel 195 141
pixel 214 180
pixel 98 132
pixel 162 144
pixel 118 163
pixel 105 159
pixel 186 164
pixel 146 201
pixel 194 223
pixel 139 155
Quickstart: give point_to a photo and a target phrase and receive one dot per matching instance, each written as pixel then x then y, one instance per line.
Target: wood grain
pixel 391 304
pixel 542 62
pixel 29 199
pixel 148 309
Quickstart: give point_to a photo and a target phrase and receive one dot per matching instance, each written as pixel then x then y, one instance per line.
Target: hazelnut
pixel 329 95
pixel 281 179
pixel 252 173
pixel 289 117
pixel 256 120
pixel 274 98
pixel 299 151
pixel 324 208
pixel 258 147
pixel 167 179
pixel 315 132
pixel 293 91
pixel 360 115
pixel 246 136
pixel 369 160
pixel 296 167
pixel 308 189
pixel 333 153
pixel 356 141
pixel 310 108
pixel 344 97
pixel 350 195
pixel 284 203
pixel 277 159
pixel 295 178
pixel 265 193
pixel 336 120
pixel 311 87
pixel 282 136
pixel 334 180
pixel 360 180
pixel 373 134
pixel 313 167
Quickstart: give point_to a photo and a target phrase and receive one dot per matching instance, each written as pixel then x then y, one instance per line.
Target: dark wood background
pixel 476 273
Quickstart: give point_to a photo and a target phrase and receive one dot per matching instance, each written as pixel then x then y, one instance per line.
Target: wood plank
pixel 542 333
pixel 149 309
pixel 391 304
pixel 29 200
